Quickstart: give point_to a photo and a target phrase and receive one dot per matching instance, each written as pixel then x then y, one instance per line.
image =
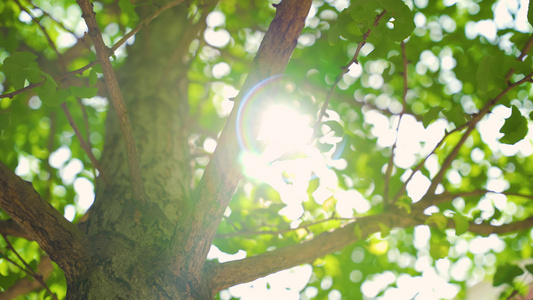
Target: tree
pixel 416 149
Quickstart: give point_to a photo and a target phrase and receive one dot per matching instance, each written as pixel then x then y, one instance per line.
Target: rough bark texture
pixel 130 236
pixel 43 223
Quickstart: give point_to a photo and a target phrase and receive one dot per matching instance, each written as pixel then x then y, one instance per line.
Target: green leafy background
pixel 451 74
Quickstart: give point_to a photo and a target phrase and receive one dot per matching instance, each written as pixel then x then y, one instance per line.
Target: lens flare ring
pixel 248 111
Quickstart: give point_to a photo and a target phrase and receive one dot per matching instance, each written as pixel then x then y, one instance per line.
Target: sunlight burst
pixel 284 130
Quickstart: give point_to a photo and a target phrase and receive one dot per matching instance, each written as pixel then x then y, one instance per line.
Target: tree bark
pixel 61 239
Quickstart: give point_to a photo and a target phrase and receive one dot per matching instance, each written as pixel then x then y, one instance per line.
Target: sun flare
pixel 284 130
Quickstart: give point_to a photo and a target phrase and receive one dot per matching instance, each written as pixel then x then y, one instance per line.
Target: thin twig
pixel 390 165
pixel 102 52
pixel 277 232
pixel 46 14
pixel 88 134
pixel 472 124
pixel 345 70
pixel 50 149
pixel 84 145
pixel 446 197
pixel 50 42
pixel 521 57
pixel 27 267
pixel 421 163
pixel 4 256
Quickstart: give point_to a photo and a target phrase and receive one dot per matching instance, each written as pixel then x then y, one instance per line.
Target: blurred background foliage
pixel 458 56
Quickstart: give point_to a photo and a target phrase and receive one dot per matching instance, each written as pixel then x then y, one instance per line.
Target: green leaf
pixel 506 274
pixel 391 5
pixel 404 203
pixel 93 78
pixel 333 34
pixel 476 213
pixel 439 250
pixel 520 67
pixel 484 72
pixel 497 214
pixel 33 264
pixel 363 16
pixel 381 49
pixel 515 128
pixel 438 219
pixel 57 98
pixel 488 74
pixel 461 224
pixel 339 148
pixel 9 280
pixel 455 115
pixel 431 115
pixel 335 127
pixel 48 88
pixel 5 119
pixel 14 67
pixel 384 230
pixel 403 19
pixel 129 9
pixel 358 232
pixel 83 91
pixel 348 27
pixel 323 147
pixel 529 268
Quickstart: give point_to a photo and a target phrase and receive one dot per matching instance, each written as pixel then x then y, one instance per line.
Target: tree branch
pixel 345 70
pixel 57 236
pixel 223 173
pixel 486 229
pixel 447 196
pixel 221 276
pixel 102 52
pixel 390 165
pixel 305 226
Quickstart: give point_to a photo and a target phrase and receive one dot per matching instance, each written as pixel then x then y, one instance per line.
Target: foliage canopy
pixel 419 156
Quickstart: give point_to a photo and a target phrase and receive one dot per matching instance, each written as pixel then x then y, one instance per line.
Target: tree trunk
pixel 130 238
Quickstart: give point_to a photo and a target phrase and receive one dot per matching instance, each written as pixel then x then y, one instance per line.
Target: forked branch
pixel 56 235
